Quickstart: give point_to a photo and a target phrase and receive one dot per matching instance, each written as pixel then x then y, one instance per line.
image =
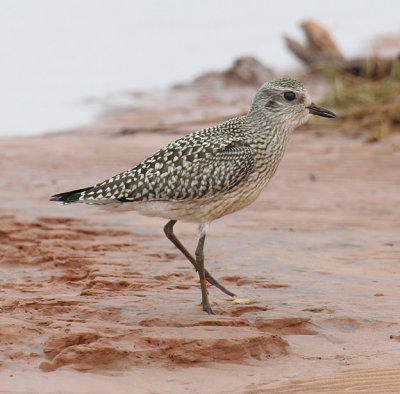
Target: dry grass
pixel 365 105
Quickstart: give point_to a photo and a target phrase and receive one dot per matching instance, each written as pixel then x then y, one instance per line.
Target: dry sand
pixel 94 302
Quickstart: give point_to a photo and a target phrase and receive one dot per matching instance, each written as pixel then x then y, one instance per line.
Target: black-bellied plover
pixel 209 173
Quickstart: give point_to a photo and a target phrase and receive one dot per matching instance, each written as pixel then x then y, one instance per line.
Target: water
pixel 55 54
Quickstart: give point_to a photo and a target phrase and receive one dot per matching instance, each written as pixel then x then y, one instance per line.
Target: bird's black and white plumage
pixel 212 172
pixel 198 166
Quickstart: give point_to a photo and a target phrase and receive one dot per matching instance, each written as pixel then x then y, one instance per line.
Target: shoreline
pixel 85 290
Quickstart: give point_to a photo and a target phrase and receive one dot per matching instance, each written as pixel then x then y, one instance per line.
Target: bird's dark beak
pixel 320 111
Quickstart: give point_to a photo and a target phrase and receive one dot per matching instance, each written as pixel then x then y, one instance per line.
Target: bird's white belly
pixel 197 210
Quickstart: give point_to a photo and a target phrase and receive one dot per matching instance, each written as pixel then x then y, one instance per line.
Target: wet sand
pixel 100 302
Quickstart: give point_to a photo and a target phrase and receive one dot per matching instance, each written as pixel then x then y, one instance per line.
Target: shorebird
pixel 209 173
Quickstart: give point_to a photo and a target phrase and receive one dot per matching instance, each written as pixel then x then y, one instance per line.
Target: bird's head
pixel 286 103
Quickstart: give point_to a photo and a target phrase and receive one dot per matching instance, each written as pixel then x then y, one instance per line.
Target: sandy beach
pixel 99 302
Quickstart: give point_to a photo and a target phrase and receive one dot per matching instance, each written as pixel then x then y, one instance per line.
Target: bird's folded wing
pixel 201 176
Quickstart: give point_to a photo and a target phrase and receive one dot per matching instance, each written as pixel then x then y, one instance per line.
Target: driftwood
pixel 371 68
pixel 246 70
pixel 320 46
pixel 320 51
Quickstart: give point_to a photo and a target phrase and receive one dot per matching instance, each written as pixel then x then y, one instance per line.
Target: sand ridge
pixel 85 290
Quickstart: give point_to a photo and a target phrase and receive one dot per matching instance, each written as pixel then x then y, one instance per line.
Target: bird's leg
pixel 201 270
pixel 168 230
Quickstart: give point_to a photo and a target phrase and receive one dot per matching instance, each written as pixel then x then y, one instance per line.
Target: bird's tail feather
pixel 70 197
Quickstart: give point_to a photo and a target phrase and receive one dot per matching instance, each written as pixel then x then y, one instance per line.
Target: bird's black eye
pixel 289 96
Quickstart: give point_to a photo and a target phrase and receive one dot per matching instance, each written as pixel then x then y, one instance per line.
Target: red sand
pixel 100 302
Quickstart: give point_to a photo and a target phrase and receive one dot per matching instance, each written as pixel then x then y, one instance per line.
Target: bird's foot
pixel 215 283
pixel 207 308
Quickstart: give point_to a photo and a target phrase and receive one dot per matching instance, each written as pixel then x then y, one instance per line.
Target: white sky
pixel 55 53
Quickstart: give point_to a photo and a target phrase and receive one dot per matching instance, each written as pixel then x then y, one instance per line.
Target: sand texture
pixel 99 302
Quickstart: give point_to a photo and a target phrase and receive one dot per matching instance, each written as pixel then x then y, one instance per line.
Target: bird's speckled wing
pixel 200 165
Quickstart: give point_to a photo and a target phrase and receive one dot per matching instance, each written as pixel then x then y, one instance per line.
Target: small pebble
pixel 244 301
